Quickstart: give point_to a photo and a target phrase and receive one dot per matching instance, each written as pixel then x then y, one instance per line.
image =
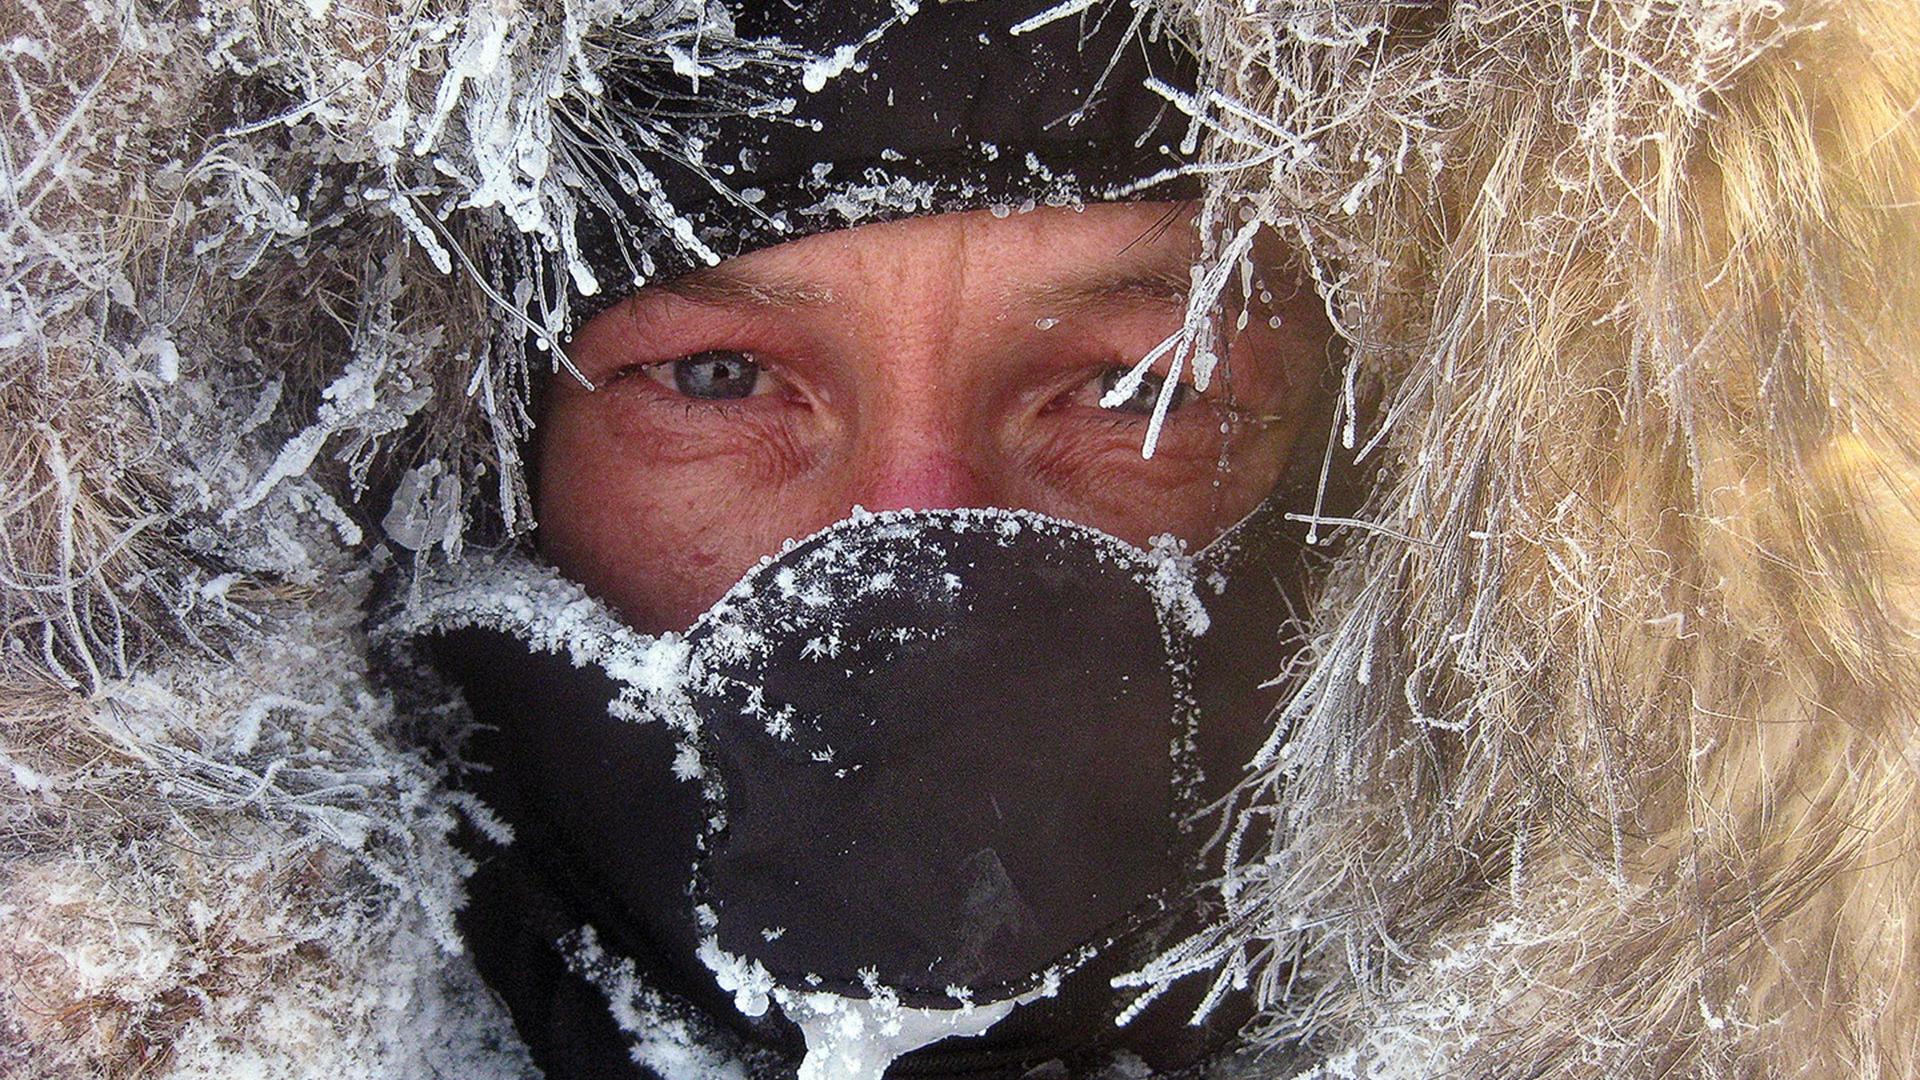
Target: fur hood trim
pixel 1603 758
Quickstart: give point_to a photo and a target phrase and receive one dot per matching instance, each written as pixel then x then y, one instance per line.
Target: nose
pixel 921 479
pixel 922 458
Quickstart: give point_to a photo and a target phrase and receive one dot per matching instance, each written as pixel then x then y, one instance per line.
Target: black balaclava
pixel 933 758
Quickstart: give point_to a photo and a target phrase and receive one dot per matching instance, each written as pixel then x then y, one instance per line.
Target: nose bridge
pixel 924 440
pixel 919 451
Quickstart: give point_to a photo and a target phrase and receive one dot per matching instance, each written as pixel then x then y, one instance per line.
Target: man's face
pixel 949 361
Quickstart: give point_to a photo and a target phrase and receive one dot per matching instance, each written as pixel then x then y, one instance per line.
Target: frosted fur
pixel 1602 760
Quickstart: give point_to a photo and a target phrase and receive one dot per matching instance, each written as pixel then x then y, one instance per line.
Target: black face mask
pixel 937 758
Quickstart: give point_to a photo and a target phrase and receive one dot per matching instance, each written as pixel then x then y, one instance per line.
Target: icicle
pixel 1054 14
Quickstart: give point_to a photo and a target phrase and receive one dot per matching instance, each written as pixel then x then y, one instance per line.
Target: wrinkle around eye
pixel 655 427
pixel 1103 454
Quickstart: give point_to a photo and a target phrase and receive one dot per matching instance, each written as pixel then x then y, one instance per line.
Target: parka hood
pixel 1600 758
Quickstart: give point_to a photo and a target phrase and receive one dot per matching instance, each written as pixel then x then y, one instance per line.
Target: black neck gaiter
pixel 927 760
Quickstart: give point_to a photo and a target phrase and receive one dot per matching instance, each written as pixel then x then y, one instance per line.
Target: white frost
pixel 747 980
pixel 857 1038
pixel 815 75
pixel 850 1038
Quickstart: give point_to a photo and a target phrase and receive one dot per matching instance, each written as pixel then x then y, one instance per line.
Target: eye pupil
pixel 1145 396
pixel 716 375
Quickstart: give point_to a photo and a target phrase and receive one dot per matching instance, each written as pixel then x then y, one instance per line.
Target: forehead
pixel 1066 256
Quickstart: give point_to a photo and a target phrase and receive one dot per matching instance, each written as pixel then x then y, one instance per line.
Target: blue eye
pixel 715 375
pixel 1146 396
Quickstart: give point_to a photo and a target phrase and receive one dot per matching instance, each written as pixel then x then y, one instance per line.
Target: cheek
pixel 1257 457
pixel 1198 483
pixel 1092 472
pixel 656 520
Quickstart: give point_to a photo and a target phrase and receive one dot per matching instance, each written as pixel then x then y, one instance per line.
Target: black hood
pixel 900 110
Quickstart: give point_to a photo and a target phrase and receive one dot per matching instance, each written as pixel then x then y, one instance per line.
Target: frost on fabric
pixel 530 601
pixel 746 979
pixel 878 196
pixel 658 676
pixel 816 590
pixel 669 1037
pixel 655 676
pixel 857 1038
pixel 829 572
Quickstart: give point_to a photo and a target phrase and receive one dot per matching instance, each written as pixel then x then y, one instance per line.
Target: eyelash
pixel 691 408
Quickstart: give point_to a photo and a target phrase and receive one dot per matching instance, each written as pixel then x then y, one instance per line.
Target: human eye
pixel 1142 401
pixel 712 375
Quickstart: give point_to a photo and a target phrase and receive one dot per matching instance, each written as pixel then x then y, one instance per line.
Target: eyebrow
pixel 725 287
pixel 1111 288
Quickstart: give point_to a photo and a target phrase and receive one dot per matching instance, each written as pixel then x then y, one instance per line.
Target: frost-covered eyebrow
pixel 725 287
